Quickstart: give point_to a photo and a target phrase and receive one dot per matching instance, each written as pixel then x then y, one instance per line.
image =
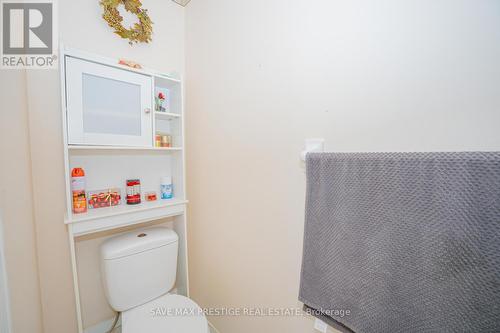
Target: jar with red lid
pixel 133 191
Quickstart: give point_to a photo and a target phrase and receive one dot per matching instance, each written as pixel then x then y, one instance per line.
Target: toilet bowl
pixel 168 313
pixel 138 273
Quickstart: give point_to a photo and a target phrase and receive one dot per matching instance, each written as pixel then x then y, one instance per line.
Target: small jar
pixel 133 191
pixel 150 196
pixel 166 141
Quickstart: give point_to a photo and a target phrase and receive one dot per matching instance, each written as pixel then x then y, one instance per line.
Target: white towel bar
pixel 312 145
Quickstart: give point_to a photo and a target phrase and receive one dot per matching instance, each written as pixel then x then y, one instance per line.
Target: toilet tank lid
pixel 136 242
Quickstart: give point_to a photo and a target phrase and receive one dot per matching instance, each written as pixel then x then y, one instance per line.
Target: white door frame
pixel 5 324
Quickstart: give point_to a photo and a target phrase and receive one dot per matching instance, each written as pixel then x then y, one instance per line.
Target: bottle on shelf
pixel 133 191
pixel 166 188
pixel 163 140
pixel 78 191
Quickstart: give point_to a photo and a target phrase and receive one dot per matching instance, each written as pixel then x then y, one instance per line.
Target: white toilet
pixel 139 269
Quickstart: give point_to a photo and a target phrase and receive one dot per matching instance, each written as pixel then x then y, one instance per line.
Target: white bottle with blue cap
pixel 166 188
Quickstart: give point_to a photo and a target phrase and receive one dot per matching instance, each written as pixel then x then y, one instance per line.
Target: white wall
pixel 16 204
pixel 263 75
pixel 81 26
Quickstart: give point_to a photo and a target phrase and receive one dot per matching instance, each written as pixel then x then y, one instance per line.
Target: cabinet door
pixel 107 105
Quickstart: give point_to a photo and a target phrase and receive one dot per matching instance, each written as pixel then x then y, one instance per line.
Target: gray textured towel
pixel 406 242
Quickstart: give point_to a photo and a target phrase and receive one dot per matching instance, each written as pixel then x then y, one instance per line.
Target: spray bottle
pixel 78 191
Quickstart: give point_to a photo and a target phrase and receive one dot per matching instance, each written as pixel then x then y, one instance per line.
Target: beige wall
pixel 81 27
pixel 16 205
pixel 365 75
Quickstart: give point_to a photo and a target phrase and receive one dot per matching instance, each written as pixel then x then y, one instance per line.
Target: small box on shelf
pixel 150 196
pixel 104 198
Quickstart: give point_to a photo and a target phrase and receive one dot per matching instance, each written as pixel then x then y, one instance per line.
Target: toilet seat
pixel 167 314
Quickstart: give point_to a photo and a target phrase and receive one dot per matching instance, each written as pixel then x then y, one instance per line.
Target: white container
pixel 166 188
pixel 139 266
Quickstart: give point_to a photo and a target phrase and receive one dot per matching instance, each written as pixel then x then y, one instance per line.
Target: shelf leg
pixel 75 279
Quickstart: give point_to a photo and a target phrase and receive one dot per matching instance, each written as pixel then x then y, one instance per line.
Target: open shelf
pixel 100 219
pixel 166 81
pixel 167 115
pixel 81 147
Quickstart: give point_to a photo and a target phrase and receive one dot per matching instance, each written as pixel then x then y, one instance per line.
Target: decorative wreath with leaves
pixel 141 31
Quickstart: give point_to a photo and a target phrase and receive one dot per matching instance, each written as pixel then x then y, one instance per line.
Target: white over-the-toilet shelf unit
pixel 110 119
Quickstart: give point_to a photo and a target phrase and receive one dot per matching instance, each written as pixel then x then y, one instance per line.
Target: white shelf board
pixel 166 82
pixel 83 147
pixel 101 219
pixel 165 77
pixel 75 53
pixel 99 213
pixel 167 115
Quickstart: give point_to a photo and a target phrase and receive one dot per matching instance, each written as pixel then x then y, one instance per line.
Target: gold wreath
pixel 140 32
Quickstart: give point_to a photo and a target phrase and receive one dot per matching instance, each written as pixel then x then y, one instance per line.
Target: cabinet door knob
pixel 147 110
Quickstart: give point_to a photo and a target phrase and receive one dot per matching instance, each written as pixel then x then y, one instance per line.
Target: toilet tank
pixel 139 266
